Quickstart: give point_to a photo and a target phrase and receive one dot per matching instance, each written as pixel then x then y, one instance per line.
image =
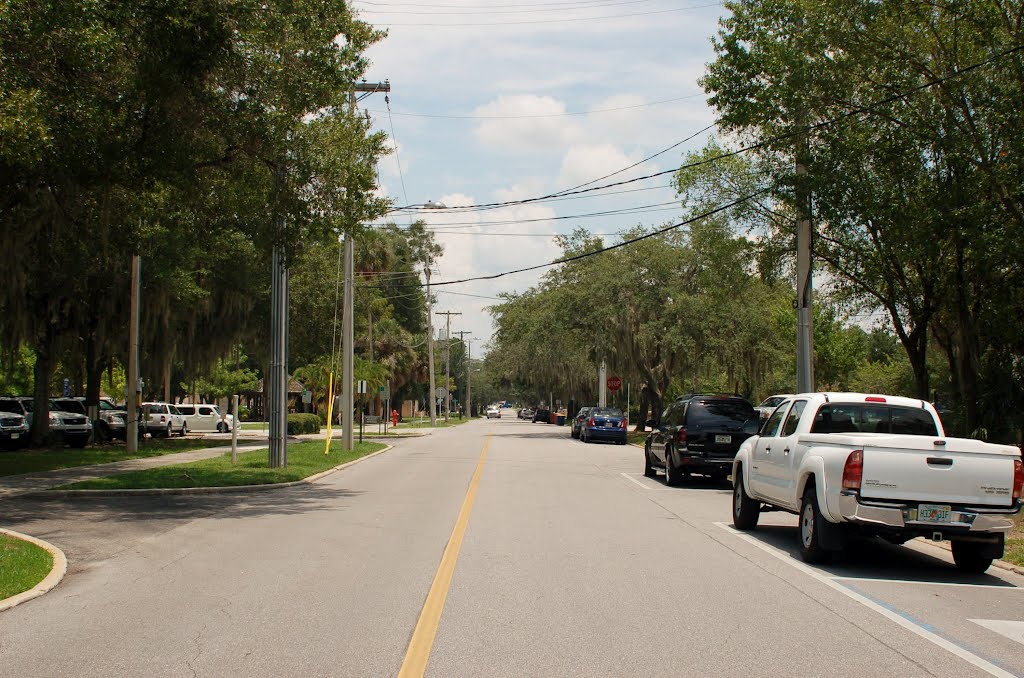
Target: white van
pixel 206 418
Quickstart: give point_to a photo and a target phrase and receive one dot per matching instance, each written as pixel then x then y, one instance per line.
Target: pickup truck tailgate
pixel 954 471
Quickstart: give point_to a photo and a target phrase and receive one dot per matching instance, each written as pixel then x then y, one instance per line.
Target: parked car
pixel 111 422
pixel 769 404
pixel 13 431
pixel 878 466
pixel 69 422
pixel 526 413
pixel 542 415
pixel 604 423
pixel 162 420
pixel 206 418
pixel 16 405
pixel 699 434
pixel 577 421
pixel 493 412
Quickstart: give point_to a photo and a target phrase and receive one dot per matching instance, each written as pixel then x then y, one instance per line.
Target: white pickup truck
pixel 877 465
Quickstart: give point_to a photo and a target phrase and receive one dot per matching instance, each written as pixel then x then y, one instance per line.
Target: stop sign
pixel 614 383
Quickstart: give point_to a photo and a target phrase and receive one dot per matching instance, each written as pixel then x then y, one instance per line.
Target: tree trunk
pixel 43 372
pixel 643 409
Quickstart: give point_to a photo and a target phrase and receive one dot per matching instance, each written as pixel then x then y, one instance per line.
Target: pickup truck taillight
pixel 853 471
pixel 1018 478
pixel 681 436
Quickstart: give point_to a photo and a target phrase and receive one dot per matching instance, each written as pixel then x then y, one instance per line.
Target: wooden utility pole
pixel 447 362
pixel 465 368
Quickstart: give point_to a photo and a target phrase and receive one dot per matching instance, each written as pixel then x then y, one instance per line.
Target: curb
pixel 60 568
pixel 229 489
pixel 1001 564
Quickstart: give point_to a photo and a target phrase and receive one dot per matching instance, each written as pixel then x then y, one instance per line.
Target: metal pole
pixel 602 385
pixel 804 291
pixel 348 356
pixel 131 388
pixel 448 368
pixel 234 430
pixel 469 376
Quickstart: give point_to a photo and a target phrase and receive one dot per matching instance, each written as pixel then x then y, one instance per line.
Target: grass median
pixel 304 460
pixel 22 565
pixel 1015 543
pixel 53 458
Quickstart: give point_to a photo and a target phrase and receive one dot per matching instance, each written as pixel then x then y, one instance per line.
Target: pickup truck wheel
pixel 648 469
pixel 968 557
pixel 745 511
pixel 810 526
pixel 672 478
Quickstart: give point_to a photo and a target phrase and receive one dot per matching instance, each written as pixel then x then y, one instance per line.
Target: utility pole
pixel 448 362
pixel 465 368
pixel 276 382
pixel 131 388
pixel 602 385
pixel 347 333
pixel 804 277
pixel 431 398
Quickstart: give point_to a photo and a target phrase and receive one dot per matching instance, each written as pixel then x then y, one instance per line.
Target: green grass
pixel 22 565
pixel 255 426
pixel 52 458
pixel 637 438
pixel 425 423
pixel 1015 543
pixel 304 460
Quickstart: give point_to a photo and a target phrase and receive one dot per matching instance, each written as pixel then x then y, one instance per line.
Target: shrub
pixel 244 414
pixel 303 423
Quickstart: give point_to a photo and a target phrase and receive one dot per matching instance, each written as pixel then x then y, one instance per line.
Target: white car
pixel 493 412
pixel 163 420
pixel 206 418
pixel 769 404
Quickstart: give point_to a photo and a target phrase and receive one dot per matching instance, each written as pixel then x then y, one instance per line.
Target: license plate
pixel 723 439
pixel 933 513
pixel 15 436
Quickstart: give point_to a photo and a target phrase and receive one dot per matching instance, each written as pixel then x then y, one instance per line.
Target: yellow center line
pixel 418 653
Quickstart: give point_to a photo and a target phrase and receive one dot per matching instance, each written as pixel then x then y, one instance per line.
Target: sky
pixel 516 99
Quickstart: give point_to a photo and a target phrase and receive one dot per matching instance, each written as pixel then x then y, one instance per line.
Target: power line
pixel 477 11
pixel 543 115
pixel 436 5
pixel 761 144
pixel 641 209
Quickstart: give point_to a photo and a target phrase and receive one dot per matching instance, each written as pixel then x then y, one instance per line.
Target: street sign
pixel 441 392
pixel 385 393
pixel 614 383
pixel 307 397
pixel 67 388
pixel 361 386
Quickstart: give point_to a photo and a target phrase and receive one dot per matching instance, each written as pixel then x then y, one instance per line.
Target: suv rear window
pixel 873 418
pixel 727 415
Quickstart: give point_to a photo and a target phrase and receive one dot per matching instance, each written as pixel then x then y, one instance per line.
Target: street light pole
pixel 465 369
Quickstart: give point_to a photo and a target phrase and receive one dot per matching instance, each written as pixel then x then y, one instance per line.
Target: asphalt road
pixel 572 564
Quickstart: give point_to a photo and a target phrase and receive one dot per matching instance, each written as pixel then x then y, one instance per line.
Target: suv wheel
pixel 648 469
pixel 672 478
pixel 184 429
pixel 169 432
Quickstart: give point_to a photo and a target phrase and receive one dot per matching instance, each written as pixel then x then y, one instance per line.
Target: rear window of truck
pixel 873 418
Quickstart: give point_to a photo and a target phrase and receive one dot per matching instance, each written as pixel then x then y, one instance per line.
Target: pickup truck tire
pixel 811 524
pixel 745 511
pixel 649 471
pixel 969 556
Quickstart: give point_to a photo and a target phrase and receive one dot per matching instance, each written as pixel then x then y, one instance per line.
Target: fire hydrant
pixel 394 417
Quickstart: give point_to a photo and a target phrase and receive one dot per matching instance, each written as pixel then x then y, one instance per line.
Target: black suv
pixel 699 434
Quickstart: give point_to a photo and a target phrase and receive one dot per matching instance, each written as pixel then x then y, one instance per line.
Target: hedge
pixel 303 423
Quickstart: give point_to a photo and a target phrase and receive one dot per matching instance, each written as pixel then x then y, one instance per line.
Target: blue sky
pixel 512 77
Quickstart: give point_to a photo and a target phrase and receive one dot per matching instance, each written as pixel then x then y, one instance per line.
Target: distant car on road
pixel 604 423
pixel 493 412
pixel 542 415
pixel 769 404
pixel 577 421
pixel 526 413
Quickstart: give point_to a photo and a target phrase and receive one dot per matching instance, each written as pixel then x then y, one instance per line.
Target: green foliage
pixel 16 371
pixel 227 377
pixel 303 423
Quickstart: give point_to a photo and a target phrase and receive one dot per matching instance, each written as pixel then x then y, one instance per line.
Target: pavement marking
pixel 998 587
pixel 891 613
pixel 630 478
pixel 1014 630
pixel 418 653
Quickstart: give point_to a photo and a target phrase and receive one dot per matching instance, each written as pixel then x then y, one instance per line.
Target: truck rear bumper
pixel 902 516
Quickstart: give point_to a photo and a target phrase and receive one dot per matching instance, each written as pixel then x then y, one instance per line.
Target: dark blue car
pixel 604 423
